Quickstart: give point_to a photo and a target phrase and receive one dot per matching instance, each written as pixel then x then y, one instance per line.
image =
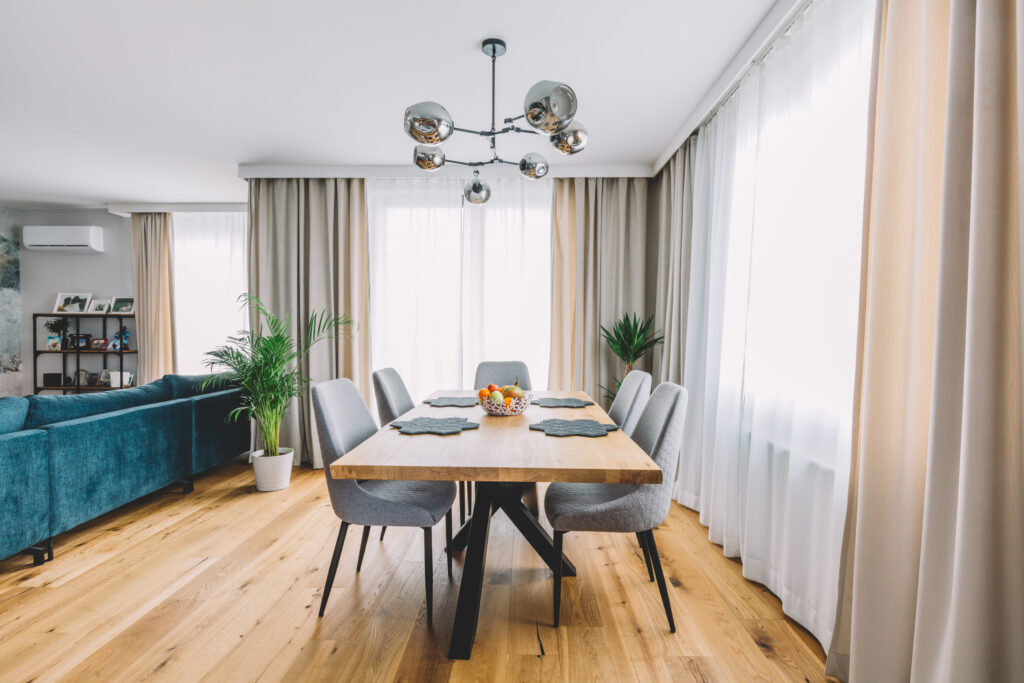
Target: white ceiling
pixel 147 101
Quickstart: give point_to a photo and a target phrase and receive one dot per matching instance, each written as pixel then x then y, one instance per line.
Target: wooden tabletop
pixel 502 449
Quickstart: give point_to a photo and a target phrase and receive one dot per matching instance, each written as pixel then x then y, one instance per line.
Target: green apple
pixel 496 397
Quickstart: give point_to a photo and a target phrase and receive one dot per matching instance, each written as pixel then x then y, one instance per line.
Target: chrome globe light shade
pixel 428 157
pixel 571 140
pixel 549 106
pixel 533 165
pixel 428 122
pixel 549 109
pixel 476 191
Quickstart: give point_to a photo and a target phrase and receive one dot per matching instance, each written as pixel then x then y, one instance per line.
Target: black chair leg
pixel 362 548
pixel 448 540
pixel 557 564
pixel 382 530
pixel 647 555
pixel 334 566
pixel 462 503
pixel 653 549
pixel 428 571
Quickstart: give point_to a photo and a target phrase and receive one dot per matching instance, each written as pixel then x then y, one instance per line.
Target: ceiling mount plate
pixel 493 47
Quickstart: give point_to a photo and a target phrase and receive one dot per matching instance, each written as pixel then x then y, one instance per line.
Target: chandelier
pixel 549 109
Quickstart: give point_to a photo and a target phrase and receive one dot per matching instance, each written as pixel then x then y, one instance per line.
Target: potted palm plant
pixel 264 364
pixel 629 339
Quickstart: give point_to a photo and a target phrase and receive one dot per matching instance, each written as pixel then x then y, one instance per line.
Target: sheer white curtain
pixel 209 275
pixel 778 202
pixel 452 285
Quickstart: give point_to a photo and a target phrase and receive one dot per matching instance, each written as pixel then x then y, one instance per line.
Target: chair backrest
pixel 631 400
pixel 342 422
pixel 659 431
pixel 393 399
pixel 502 372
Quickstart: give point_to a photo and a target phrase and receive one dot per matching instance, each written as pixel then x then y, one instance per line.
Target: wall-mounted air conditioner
pixel 83 238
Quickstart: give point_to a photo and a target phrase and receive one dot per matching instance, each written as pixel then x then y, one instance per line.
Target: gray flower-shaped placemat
pixel 434 425
pixel 573 427
pixel 453 401
pixel 561 403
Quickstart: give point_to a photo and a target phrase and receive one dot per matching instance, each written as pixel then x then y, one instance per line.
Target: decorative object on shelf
pixel 68 381
pixel 122 304
pixel 104 380
pixel 92 379
pixel 443 426
pixel 72 303
pixel 629 339
pixel 52 343
pixel 99 306
pixel 114 345
pixel 549 109
pixel 81 340
pixel 264 363
pixel 452 401
pixel 121 379
pixel 98 344
pixel 573 427
pixel 53 379
pixel 82 377
pixel 562 403
pixel 59 327
pixel 121 337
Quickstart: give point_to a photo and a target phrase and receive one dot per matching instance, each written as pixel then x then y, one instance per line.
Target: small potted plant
pixel 629 339
pixel 59 327
pixel 264 364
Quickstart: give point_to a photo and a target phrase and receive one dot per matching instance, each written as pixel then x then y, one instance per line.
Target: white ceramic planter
pixel 272 473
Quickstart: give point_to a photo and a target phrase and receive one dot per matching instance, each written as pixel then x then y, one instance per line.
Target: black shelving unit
pixel 76 353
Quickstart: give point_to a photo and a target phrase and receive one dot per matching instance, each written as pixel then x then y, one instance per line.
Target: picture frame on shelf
pixel 99 306
pixel 52 343
pixel 104 380
pixel 98 344
pixel 73 302
pixel 122 304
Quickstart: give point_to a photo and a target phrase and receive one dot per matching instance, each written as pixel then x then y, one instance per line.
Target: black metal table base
pixel 491 497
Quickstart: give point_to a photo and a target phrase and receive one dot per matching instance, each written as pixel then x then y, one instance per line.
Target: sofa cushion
pixel 184 386
pixel 13 410
pixel 45 410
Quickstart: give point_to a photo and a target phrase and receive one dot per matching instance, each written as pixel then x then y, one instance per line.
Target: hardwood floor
pixel 224 584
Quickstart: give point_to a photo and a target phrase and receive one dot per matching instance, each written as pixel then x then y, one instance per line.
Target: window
pixel 453 285
pixel 210 272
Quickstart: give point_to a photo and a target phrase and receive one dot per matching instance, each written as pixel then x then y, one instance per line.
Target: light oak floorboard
pixel 224 584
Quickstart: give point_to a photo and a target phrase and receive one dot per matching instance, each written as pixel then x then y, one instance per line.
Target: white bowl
pixel 517 406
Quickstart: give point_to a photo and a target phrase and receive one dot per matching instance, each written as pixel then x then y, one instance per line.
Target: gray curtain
pixel 152 240
pixel 308 252
pixel 599 265
pixel 932 588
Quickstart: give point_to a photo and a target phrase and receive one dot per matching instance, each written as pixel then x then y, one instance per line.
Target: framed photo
pixel 98 344
pixel 52 343
pixel 122 304
pixel 99 306
pixel 73 302
pixel 104 377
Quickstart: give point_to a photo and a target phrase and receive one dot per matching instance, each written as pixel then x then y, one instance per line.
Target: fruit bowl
pixel 515 407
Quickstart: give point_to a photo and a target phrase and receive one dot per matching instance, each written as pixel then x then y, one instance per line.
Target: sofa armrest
pixel 24 490
pixel 215 439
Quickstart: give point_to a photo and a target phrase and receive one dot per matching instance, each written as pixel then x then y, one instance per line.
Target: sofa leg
pixel 49 549
pixel 187 485
pixel 41 552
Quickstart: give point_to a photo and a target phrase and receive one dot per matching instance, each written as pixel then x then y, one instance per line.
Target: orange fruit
pixel 483 394
pixel 508 400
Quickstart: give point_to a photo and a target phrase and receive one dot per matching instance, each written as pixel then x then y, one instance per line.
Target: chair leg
pixel 557 564
pixel 647 555
pixel 428 571
pixel 362 548
pixel 334 566
pixel 462 503
pixel 382 530
pixel 448 540
pixel 653 549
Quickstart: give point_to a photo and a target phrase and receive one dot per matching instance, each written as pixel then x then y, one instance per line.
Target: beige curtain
pixel 308 252
pixel 599 262
pixel 152 247
pixel 932 586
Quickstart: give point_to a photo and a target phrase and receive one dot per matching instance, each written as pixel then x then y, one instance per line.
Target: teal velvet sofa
pixel 65 460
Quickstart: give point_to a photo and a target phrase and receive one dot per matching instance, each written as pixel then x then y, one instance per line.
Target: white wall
pixel 44 274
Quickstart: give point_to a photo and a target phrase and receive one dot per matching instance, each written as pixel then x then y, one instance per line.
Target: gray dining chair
pixel 626 508
pixel 630 400
pixel 344 422
pixel 393 399
pixel 503 372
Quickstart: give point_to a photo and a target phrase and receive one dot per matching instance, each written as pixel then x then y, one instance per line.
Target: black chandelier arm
pixel 475 164
pixel 491 133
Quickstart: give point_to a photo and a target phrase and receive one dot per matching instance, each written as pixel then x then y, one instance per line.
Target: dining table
pixel 501 456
